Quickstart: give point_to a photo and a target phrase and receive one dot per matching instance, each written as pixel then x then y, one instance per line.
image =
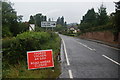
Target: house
pixel 73 29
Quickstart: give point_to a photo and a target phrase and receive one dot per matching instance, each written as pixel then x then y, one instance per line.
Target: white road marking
pixel 94 49
pixel 111 60
pixel 87 46
pixel 68 63
pixel 70 73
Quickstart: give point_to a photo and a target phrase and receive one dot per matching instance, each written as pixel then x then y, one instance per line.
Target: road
pixel 86 59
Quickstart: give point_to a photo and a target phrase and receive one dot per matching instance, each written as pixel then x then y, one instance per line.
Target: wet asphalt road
pixel 87 59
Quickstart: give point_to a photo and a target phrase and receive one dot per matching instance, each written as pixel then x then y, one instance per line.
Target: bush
pixel 39 29
pixel 6 32
pixel 106 27
pixel 14 50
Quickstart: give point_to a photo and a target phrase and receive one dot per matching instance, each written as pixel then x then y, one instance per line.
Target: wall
pixel 105 36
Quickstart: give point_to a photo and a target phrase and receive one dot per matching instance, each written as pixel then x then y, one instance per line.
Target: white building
pixel 32 27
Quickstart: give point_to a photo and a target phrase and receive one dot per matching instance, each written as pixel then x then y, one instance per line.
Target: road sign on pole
pixel 48 24
pixel 40 59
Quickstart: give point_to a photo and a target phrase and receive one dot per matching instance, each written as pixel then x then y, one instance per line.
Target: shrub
pixel 6 32
pixel 106 27
pixel 14 50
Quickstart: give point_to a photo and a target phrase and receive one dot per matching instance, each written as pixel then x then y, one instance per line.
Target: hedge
pixel 14 49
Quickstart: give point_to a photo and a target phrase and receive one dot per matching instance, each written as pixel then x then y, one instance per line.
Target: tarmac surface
pixel 87 59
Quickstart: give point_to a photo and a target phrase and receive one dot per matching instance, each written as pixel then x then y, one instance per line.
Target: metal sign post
pixel 46 28
pixel 52 28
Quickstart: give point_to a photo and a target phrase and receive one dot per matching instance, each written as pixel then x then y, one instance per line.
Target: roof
pixel 75 27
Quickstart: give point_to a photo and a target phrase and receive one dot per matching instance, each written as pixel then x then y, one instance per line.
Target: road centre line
pixel 70 73
pixel 86 46
pixel 111 60
pixel 68 63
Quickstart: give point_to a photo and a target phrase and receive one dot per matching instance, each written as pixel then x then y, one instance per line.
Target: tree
pixel 32 20
pixel 44 18
pixel 89 20
pixel 49 19
pixel 90 17
pixel 62 21
pixel 8 13
pixel 117 21
pixel 65 23
pixel 23 26
pixel 102 15
pixel 60 28
pixel 36 19
pixel 9 19
pixel 59 20
pixel 11 23
pixel 19 18
pixel 117 17
pixel 61 24
pixel 117 5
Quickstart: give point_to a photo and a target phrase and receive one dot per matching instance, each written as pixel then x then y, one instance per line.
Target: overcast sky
pixel 72 10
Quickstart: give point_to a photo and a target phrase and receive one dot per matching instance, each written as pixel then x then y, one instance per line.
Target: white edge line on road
pixel 111 60
pixel 68 63
pixel 70 73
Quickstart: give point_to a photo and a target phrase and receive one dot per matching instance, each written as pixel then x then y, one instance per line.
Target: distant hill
pixel 72 24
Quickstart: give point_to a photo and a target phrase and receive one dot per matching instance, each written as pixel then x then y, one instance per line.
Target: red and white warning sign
pixel 40 59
